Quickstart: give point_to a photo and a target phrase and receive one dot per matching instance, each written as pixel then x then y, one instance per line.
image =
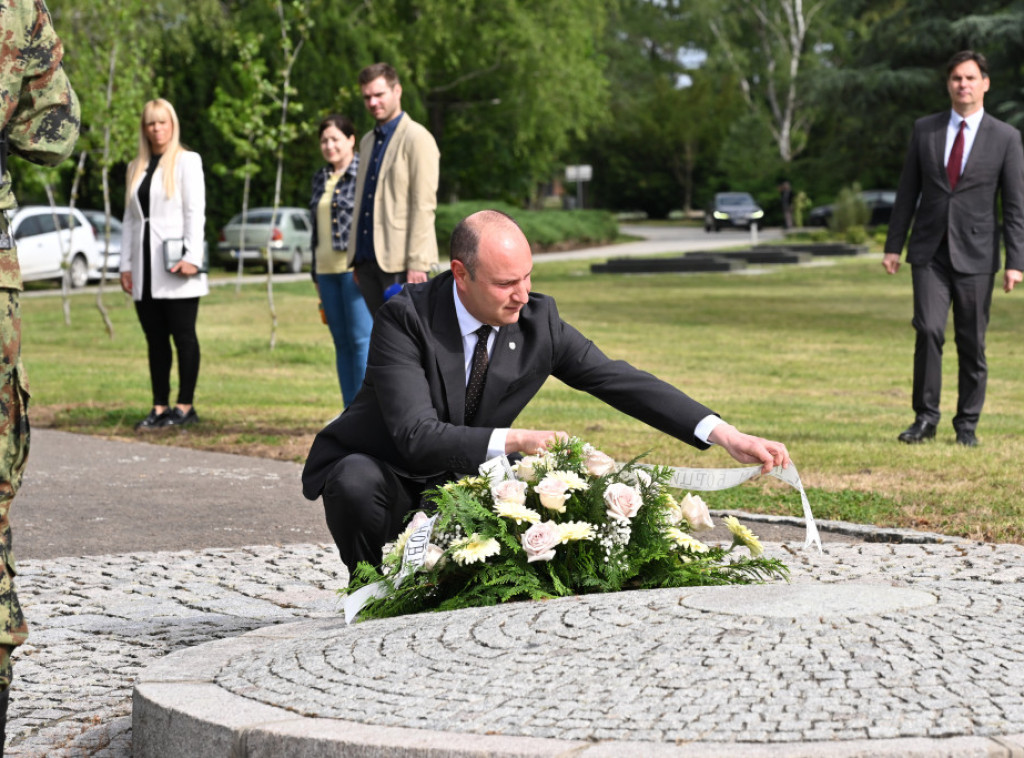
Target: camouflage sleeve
pixel 45 126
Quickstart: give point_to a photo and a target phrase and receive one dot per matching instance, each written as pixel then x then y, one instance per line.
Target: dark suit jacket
pixel 410 410
pixel 968 214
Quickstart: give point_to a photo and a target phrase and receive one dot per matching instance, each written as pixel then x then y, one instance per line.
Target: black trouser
pixel 936 286
pixel 372 281
pixel 163 320
pixel 365 502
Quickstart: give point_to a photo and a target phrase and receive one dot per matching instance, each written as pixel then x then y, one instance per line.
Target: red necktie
pixel 956 157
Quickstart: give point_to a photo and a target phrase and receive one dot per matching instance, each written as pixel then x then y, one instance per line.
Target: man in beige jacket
pixel 393 239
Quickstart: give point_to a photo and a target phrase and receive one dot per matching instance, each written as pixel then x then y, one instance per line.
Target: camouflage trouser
pixel 14 434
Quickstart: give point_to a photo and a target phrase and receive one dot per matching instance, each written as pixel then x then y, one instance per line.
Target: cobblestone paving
pixel 643 666
pixel 97 621
pixel 638 665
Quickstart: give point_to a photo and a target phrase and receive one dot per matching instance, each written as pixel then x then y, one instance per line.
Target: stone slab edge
pixel 179 712
pixel 868 532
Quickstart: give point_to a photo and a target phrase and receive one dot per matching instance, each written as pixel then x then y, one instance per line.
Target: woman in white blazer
pixel 162 258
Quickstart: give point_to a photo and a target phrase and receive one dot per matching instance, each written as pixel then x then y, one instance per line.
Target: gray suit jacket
pixel 968 214
pixel 410 410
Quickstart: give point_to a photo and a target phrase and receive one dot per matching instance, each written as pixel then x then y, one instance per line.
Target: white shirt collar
pixel 972 121
pixel 468 323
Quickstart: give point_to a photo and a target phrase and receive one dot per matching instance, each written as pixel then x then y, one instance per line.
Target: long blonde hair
pixel 170 156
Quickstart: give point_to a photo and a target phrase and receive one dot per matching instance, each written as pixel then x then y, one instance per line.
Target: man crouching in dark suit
pixel 958 164
pixel 408 430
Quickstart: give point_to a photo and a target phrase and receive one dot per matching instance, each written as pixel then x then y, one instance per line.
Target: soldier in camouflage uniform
pixel 39 115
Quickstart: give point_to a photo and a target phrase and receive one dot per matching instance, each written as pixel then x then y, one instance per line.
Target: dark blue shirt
pixel 364 241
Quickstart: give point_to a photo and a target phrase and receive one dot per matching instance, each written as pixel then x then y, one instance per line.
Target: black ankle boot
pixel 5 698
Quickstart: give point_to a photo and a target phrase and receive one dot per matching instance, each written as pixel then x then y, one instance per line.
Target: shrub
pixel 849 210
pixel 544 229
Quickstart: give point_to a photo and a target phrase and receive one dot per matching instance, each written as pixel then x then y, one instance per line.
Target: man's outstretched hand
pixel 530 441
pixel 749 449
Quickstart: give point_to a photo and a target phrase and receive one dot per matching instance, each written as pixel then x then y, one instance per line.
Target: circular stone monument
pixel 756 670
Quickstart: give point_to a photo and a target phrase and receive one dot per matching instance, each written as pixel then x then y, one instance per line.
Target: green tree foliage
pixel 657 151
pixel 888 70
pixel 670 101
pixel 773 48
pixel 504 85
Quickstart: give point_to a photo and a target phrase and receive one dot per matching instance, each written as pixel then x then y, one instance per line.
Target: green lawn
pixel 817 356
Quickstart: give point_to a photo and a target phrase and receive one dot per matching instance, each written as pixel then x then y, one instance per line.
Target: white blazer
pixel 180 217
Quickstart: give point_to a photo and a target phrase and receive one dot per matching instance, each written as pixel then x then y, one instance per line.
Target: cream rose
pixel 696 513
pixel 622 500
pixel 539 541
pixel 597 463
pixel 509 492
pixel 526 467
pixel 553 493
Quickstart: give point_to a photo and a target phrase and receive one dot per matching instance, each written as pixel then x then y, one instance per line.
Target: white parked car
pixel 98 219
pixel 42 248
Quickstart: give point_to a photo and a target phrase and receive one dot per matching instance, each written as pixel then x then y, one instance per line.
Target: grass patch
pixel 819 357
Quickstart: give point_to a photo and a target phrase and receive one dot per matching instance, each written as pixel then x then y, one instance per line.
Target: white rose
pixel 509 492
pixel 597 463
pixel 553 493
pixel 696 513
pixel 526 467
pixel 539 541
pixel 622 500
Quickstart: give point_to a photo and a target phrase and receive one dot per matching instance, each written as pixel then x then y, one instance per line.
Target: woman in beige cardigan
pixel 162 258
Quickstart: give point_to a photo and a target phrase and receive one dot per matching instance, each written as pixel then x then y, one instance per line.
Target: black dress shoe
pixel 919 431
pixel 966 438
pixel 153 421
pixel 177 417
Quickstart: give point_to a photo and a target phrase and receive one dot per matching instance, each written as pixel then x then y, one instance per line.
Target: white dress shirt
pixel 970 132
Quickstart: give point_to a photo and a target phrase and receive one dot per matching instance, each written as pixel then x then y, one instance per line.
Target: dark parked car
pixel 732 209
pixel 879 203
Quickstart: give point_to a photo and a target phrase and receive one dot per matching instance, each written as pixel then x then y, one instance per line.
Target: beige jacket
pixel 404 237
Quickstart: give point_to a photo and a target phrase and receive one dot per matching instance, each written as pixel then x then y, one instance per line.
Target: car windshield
pixel 99 221
pixel 735 198
pixel 256 218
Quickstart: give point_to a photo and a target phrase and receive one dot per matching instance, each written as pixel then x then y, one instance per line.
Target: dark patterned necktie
pixel 477 374
pixel 956 157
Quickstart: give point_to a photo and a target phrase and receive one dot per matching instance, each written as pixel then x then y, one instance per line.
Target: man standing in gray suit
pixel 958 165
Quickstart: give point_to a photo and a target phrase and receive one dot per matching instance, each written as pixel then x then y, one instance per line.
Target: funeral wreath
pixel 569 521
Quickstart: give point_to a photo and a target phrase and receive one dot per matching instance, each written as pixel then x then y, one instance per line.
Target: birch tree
pixel 766 43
